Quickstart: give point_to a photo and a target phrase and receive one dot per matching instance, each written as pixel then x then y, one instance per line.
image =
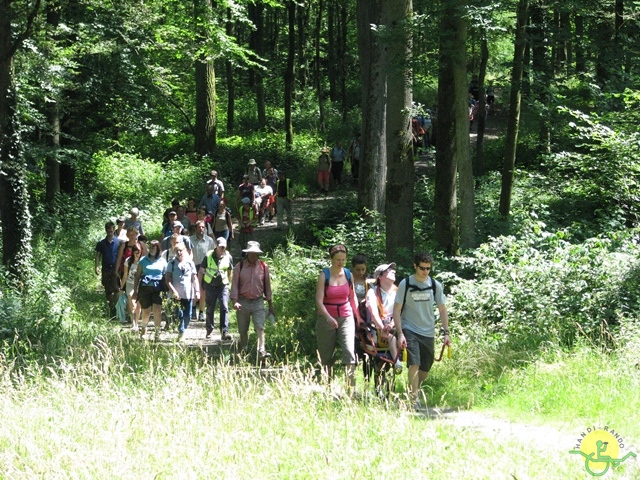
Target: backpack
pixel 415 288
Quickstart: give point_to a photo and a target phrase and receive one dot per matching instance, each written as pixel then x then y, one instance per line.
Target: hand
pixel 237 306
pixel 447 340
pixel 333 322
pixel 97 270
pixel 134 296
pixel 197 296
pixel 402 342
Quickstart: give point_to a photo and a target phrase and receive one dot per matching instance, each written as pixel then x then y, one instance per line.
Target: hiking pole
pixel 449 352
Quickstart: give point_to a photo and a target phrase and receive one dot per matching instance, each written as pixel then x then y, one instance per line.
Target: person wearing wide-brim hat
pixel 254 172
pixel 324 169
pixel 251 286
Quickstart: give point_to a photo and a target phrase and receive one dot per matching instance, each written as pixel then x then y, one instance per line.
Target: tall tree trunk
pixel 581 62
pixel 302 17
pixel 52 184
pixel 515 99
pixel 482 109
pixel 289 74
pixel 231 89
pixel 453 126
pixel 256 78
pixel 317 66
pixel 396 17
pixel 332 50
pixel 541 63
pixel 14 196
pixel 342 64
pixel 205 80
pixel 373 156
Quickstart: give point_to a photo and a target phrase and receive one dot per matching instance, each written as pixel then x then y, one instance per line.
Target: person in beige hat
pixel 324 169
pixel 254 172
pixel 250 287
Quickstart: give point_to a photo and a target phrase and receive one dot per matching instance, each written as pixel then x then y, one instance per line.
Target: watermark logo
pixel 601 449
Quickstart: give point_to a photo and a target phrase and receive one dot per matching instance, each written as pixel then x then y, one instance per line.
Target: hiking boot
pixel 201 317
pixel 208 336
pixel 142 331
pixel 180 336
pixel 156 336
pixel 226 336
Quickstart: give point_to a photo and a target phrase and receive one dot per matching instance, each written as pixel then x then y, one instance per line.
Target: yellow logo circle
pixel 599 445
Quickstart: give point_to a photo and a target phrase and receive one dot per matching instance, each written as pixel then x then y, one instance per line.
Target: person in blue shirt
pixel 106 256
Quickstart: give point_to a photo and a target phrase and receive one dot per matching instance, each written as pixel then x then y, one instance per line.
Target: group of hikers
pixel 190 264
pixel 351 305
pixel 192 267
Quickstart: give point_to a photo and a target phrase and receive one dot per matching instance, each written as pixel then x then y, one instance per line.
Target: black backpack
pixel 415 288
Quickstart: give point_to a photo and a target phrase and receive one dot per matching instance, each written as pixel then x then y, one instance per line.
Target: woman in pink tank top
pixel 336 304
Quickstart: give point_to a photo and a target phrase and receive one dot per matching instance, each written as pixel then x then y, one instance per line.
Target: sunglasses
pixel 424 269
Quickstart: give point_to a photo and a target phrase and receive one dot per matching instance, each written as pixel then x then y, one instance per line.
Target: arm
pixel 444 320
pixel 397 321
pixel 229 224
pixel 97 263
pixel 136 282
pixel 125 274
pixel 120 254
pixel 372 307
pixel 267 289
pixel 322 310
pixel 168 277
pixel 195 285
pixel 235 287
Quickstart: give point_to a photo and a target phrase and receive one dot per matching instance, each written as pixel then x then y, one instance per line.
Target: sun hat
pixel 380 269
pixel 176 223
pixel 252 247
pixel 324 149
pixel 221 241
pixel 252 161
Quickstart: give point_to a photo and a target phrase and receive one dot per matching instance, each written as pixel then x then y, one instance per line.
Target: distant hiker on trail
pixel 338 156
pixel 148 287
pixel 210 200
pixel 222 224
pixel 354 156
pixel 283 198
pixel 133 220
pixel 183 285
pixel 251 287
pixel 324 169
pixel 414 320
pixel 218 186
pixel 202 245
pixel 107 254
pixel 247 222
pixel 130 269
pixel 215 275
pixel 336 305
pixel 254 172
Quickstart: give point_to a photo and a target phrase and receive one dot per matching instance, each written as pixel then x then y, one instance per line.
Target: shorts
pixel 328 337
pixel 323 176
pixel 420 350
pixel 148 296
pixel 251 309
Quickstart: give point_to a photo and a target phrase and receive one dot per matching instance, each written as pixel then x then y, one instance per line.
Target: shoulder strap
pixel 415 287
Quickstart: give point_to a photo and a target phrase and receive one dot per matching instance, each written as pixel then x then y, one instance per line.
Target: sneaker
pixel 397 368
pixel 263 354
pixel 208 335
pixel 418 406
pixel 201 317
pixel 226 336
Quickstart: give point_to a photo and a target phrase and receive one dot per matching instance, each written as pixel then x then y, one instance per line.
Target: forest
pixel 531 211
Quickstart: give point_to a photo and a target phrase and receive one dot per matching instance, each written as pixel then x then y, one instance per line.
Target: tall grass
pixel 184 418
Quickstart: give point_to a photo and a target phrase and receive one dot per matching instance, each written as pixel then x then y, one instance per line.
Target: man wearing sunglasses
pixel 415 322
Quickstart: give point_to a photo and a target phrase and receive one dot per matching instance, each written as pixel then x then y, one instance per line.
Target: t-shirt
pixel 133 223
pixel 418 315
pixel 181 277
pixel 388 299
pixel 151 270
